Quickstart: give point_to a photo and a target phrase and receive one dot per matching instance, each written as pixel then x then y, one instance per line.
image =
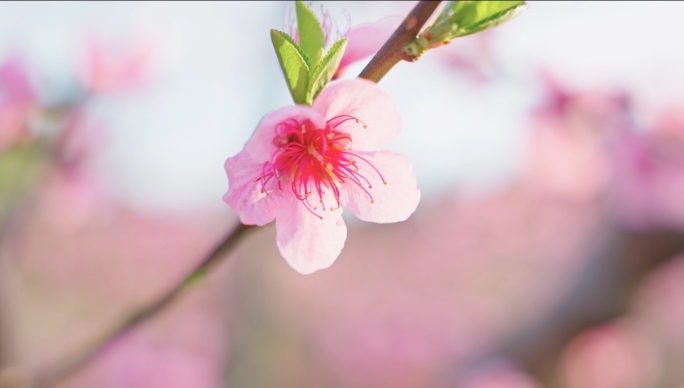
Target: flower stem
pixel 392 52
pixel 52 376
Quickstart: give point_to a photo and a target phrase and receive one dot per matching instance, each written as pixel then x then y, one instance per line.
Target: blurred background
pixel 546 251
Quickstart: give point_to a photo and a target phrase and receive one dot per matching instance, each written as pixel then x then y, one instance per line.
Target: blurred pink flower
pixel 565 161
pixel 661 300
pixel 183 353
pixel 617 354
pixel 74 190
pixel 602 111
pixel 365 40
pixel 303 164
pixel 569 153
pixel 501 375
pixel 649 182
pixel 17 101
pixel 472 57
pixel 111 68
pixel 414 304
pixel 15 82
pixel 396 341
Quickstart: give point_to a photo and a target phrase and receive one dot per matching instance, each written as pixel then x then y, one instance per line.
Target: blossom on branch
pixel 303 164
pixel 18 101
pixel 110 67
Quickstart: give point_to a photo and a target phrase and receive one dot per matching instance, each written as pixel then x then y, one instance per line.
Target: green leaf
pixel 461 18
pixel 295 67
pixel 476 16
pixel 325 70
pixel 311 35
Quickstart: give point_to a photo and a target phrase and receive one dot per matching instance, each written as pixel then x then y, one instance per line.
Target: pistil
pixel 314 160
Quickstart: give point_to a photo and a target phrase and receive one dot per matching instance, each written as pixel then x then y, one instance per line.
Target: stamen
pixel 315 160
pixel 338 120
pixel 370 164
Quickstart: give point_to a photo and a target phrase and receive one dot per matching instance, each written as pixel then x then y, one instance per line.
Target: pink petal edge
pixel 394 201
pixel 307 242
pixel 366 40
pixel 365 101
pixel 244 193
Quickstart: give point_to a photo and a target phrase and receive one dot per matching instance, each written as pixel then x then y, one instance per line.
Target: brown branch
pixel 50 377
pixel 392 52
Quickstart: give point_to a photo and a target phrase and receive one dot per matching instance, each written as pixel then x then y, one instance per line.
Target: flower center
pixel 314 160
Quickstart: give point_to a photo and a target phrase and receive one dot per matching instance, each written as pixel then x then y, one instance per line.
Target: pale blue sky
pixel 216 75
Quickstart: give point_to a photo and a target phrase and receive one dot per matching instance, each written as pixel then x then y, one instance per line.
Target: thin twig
pixel 392 52
pixel 52 376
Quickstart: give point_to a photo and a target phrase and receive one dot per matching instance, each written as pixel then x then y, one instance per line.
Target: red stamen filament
pixel 315 160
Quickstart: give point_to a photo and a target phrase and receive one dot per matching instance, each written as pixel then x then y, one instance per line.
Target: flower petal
pixel 260 146
pixel 307 242
pixel 365 40
pixel 245 194
pixel 15 82
pixel 365 101
pixel 392 202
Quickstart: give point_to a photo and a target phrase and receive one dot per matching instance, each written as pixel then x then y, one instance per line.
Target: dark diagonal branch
pixel 392 52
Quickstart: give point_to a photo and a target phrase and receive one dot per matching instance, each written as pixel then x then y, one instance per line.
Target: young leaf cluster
pixel 306 66
pixel 462 18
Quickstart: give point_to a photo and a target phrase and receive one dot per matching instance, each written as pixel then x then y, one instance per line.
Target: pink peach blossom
pixel 303 164
pixel 110 68
pixel 15 81
pixel 74 189
pixel 501 375
pixel 615 354
pixel 661 299
pixel 568 154
pixel 366 40
pixel 650 174
pixel 17 101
